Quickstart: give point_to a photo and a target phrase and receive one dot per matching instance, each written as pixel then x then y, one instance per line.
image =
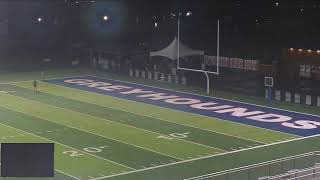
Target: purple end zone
pixel 258 116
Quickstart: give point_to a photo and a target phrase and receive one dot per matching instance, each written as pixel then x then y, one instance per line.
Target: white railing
pixel 253 166
pixel 307 173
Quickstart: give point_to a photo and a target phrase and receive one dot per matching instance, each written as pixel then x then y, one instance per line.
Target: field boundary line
pixel 251 126
pixel 119 123
pixel 191 112
pixel 67 174
pixel 46 119
pixel 64 174
pixel 206 157
pixel 208 130
pixel 63 144
pixel 212 97
pixel 14 82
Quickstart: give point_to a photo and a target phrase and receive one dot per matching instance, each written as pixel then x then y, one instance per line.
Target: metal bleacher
pixel 299 167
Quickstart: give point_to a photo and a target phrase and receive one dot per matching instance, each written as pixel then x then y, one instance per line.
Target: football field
pixel 111 136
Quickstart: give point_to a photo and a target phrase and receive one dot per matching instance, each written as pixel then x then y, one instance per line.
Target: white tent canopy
pixel 171 51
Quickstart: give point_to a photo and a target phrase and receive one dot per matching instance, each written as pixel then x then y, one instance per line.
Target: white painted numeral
pixel 93 149
pixel 87 149
pixel 174 136
pixel 73 153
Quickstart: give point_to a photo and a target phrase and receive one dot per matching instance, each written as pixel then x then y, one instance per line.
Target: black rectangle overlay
pixel 27 160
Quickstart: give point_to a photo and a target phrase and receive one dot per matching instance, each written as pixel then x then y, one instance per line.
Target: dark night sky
pixel 247 26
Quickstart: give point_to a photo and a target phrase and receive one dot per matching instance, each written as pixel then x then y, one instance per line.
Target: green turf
pixel 208 138
pixel 36 75
pixel 98 135
pixel 217 93
pixel 108 129
pixel 219 163
pixel 178 117
pixel 64 162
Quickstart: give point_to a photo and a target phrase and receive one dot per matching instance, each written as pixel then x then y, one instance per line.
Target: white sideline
pixel 174 109
pixel 14 82
pixel 78 128
pixel 190 112
pixel 63 173
pixel 149 115
pixel 67 174
pixel 212 97
pixel 190 160
pixel 98 157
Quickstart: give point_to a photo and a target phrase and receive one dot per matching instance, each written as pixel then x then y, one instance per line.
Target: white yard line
pixel 67 174
pixel 72 127
pixel 63 173
pixel 200 158
pixel 66 145
pixel 107 120
pixel 180 111
pixel 208 130
pixel 211 97
pixel 14 82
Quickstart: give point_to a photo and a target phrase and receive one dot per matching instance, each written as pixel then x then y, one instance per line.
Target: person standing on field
pixel 35 85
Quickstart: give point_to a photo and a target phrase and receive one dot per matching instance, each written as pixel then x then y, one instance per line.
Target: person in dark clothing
pixel 35 85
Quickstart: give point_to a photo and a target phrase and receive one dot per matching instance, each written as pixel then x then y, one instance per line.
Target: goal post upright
pixel 198 70
pixel 178 50
pixel 218 46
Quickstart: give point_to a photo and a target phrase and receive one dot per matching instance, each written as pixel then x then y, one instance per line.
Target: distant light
pixel 301 9
pixel 105 18
pixel 92 1
pixel 156 25
pixel 189 13
pixel 318 51
pixel 309 50
pixel 77 2
pixel 173 14
pixel 39 19
pixel 277 4
pixel 300 50
pixel 291 49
